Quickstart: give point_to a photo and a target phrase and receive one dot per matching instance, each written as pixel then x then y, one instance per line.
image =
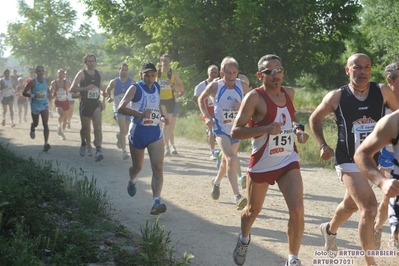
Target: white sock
pixel 216 182
pixel 292 257
pixel 244 240
pixel 156 198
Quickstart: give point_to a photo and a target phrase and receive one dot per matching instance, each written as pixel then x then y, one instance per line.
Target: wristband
pixel 298 126
pixel 322 146
pixel 32 96
pixel 162 116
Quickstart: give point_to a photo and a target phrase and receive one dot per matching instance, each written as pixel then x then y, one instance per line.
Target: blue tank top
pixel 41 94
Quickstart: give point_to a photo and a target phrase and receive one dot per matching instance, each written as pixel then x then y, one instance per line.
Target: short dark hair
pixel 267 58
pixel 123 65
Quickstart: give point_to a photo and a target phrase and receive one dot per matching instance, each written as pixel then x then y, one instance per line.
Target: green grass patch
pixel 50 217
pixel 190 126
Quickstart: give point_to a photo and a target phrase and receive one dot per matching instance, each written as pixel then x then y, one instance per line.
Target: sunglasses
pixel 272 71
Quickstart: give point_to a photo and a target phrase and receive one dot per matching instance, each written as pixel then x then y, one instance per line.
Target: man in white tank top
pixel 270 115
pixel 226 95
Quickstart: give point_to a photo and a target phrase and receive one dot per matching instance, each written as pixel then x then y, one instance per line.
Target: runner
pixel 226 94
pixel 357 107
pixel 22 100
pixel 37 90
pixel 59 91
pixel 88 83
pixel 120 84
pixel 213 72
pixel 7 97
pixel 146 132
pixel 170 82
pixel 270 115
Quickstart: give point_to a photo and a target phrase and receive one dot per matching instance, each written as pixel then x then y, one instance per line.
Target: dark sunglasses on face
pixel 272 71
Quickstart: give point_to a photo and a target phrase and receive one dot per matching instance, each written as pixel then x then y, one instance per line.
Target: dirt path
pixel 205 228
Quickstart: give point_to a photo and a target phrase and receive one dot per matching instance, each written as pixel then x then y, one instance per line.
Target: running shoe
pixel 218 154
pixel 69 125
pixel 393 243
pixel 215 194
pixel 118 142
pixel 3 123
pixel 377 239
pixel 174 151
pixel 294 262
pixel 125 156
pixel 330 240
pixel 167 152
pixel 98 157
pixel 158 208
pixel 59 131
pixel 89 151
pixel 240 251
pixel 131 188
pixel 12 124
pixel 82 151
pixel 32 132
pixel 46 147
pixel 241 202
pixel 242 181
pixel 213 156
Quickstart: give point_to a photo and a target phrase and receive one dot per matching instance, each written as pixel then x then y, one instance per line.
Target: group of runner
pixel 232 111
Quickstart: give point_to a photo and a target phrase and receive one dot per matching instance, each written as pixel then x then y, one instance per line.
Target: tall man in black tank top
pixel 88 83
pixel 357 108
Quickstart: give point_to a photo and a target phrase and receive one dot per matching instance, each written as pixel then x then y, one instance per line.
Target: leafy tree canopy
pixel 307 34
pixel 47 36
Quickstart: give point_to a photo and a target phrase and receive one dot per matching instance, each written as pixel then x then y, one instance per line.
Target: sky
pixel 10 14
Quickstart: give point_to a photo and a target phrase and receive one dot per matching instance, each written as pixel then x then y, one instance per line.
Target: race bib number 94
pixel 154 119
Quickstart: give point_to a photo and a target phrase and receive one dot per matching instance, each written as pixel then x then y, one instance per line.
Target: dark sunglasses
pixel 272 71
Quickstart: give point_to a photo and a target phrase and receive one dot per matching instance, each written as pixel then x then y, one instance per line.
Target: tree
pixel 47 36
pixel 304 33
pixel 376 34
pixel 3 49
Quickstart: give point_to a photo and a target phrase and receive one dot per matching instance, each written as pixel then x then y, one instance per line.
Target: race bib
pixel 154 119
pixel 41 95
pixel 94 93
pixel 361 131
pixel 229 114
pixel 61 95
pixel 282 144
pixel 7 92
pixel 163 83
pixel 118 98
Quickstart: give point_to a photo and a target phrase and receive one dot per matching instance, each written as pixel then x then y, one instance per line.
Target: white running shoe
pixel 240 251
pixel 330 240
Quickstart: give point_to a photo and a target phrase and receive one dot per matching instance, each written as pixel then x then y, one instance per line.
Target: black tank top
pixel 89 79
pixel 352 111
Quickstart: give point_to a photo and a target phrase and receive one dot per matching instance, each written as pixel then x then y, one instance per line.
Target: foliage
pixel 192 127
pixel 47 37
pixel 50 217
pixel 308 35
pixel 375 35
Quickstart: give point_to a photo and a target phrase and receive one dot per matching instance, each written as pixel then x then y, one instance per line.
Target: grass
pixel 50 217
pixel 190 126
